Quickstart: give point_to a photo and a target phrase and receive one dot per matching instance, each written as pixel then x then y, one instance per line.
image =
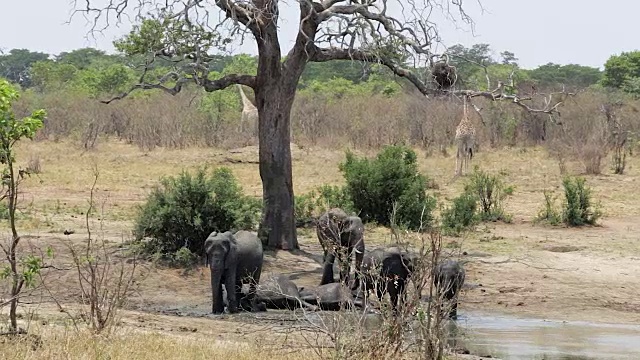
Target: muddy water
pixel 483 334
pixel 518 338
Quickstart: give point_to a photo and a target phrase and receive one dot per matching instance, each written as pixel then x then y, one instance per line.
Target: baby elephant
pixel 448 279
pixel 387 270
pixel 279 292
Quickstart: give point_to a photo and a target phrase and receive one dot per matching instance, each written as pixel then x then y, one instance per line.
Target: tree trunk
pixel 277 229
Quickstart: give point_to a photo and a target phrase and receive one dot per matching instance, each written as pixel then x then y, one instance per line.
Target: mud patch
pixel 563 248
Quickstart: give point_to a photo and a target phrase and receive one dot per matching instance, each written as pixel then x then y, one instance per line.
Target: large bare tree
pixel 393 33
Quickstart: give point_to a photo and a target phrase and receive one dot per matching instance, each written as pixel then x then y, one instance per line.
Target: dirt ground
pixel 519 268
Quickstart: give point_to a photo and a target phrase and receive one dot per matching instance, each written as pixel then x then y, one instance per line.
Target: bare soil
pixel 521 268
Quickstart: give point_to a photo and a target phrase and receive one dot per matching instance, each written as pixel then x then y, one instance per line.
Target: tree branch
pixel 328 54
pixel 208 85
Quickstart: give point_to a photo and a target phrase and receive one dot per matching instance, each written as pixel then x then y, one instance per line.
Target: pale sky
pixel 582 32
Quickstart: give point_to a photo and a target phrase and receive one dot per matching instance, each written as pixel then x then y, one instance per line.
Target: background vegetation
pixel 340 104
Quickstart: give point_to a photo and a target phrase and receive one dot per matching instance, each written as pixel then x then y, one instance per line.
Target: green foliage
pixel 549 213
pixel 153 36
pixel 184 258
pixel 571 75
pixel 389 186
pixel 319 200
pixel 12 129
pixel 468 61
pixel 461 215
pixel 577 208
pixel 241 64
pixel 21 270
pixel 621 68
pixel 183 211
pixel 15 66
pixel 489 192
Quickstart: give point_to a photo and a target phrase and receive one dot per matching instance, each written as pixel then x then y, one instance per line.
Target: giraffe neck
pixel 464 107
pixel 246 104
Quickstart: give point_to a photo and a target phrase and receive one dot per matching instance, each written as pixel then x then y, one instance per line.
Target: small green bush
pixel 549 213
pixel 319 200
pixel 182 211
pixel 577 209
pixel 489 191
pixel 184 258
pixel 389 183
pixel 461 215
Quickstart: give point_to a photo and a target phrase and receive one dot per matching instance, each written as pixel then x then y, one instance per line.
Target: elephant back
pixel 250 254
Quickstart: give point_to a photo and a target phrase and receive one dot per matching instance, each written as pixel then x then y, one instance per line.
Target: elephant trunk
pixel 359 250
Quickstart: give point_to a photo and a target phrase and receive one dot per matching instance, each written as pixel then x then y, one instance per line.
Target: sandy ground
pixel 520 268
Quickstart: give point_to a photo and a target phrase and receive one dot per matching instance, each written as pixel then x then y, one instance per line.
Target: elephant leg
pixel 242 298
pixel 380 291
pixel 344 266
pixel 453 313
pixel 217 303
pixel 327 271
pixel 232 290
pixel 253 299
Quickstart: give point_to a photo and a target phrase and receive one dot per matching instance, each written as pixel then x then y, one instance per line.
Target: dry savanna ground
pixel 522 268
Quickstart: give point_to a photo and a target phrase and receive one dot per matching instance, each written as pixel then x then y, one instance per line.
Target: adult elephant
pixel 340 235
pixel 387 270
pixel 233 259
pixel 448 278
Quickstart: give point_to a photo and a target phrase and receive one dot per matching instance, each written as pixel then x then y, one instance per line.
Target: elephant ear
pixel 354 224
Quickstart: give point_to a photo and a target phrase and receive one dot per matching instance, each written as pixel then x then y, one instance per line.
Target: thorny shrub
pixel 416 331
pixel 578 209
pixel 489 191
pixel 460 215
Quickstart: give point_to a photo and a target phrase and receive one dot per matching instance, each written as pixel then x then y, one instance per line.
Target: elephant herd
pixel 235 259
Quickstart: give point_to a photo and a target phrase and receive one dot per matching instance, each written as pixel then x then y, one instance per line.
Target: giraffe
pixel 465 139
pixel 249 111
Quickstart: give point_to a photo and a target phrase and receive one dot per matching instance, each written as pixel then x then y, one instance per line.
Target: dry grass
pixel 58 343
pixel 127 173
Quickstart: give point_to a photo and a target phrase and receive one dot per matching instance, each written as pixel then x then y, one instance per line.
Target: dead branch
pixel 209 85
pixel 365 31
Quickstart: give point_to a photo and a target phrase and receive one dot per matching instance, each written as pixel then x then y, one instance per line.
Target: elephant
pixel 331 297
pixel 340 235
pixel 233 259
pixel 387 270
pixel 279 292
pixel 448 279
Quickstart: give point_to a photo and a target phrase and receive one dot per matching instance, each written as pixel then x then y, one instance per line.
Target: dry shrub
pixel 34 166
pixel 584 134
pixel 415 331
pixel 153 119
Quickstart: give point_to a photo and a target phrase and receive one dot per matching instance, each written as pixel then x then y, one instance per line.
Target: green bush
pixel 460 215
pixel 182 211
pixel 489 191
pixel 319 200
pixel 549 213
pixel 577 209
pixel 389 183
